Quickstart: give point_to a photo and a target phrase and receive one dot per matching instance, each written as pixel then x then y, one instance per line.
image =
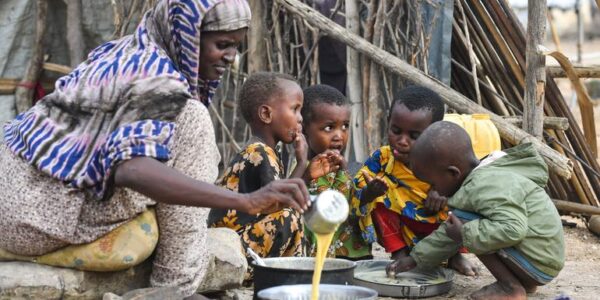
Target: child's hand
pixel 454 228
pixel 300 148
pixel 376 187
pixel 337 159
pixel 434 202
pixel 323 164
pixel 400 265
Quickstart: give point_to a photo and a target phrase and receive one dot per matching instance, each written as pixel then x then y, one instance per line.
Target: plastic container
pixel 484 135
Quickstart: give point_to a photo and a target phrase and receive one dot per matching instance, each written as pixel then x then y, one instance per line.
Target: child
pixel 271 104
pixel 326 121
pixel 395 208
pixel 511 224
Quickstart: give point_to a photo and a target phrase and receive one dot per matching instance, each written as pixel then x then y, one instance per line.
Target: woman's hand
pixel 164 184
pixel 278 195
pixel 400 265
pixel 434 202
pixel 376 187
pixel 454 228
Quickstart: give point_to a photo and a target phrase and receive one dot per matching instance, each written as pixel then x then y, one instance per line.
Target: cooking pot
pixel 326 292
pixel 299 270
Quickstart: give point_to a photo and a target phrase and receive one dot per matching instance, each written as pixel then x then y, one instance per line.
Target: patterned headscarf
pixel 121 102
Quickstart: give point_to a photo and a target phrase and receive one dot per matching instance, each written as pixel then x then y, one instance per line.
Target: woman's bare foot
pixel 499 291
pixel 462 265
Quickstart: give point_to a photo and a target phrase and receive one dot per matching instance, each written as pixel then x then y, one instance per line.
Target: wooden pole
pixel 574 207
pixel 557 162
pixel 580 71
pixel 257 60
pixel 556 123
pixel 24 92
pixel 75 32
pixel 353 64
pixel 535 74
pixel 553 31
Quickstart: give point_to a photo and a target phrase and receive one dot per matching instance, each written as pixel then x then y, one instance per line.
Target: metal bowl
pixel 424 283
pixel 326 292
pixel 299 270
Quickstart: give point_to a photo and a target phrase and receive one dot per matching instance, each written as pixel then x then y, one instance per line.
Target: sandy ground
pixel 579 279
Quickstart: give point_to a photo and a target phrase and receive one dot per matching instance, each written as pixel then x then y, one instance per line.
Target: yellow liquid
pixel 323 242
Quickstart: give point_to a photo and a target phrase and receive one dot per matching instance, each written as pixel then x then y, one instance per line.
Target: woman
pixel 126 130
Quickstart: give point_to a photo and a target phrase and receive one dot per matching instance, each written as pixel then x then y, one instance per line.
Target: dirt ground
pixel 578 280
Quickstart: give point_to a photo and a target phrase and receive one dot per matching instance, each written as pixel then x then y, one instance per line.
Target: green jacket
pixel 515 212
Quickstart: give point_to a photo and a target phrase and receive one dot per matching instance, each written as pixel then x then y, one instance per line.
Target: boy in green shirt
pixel 500 212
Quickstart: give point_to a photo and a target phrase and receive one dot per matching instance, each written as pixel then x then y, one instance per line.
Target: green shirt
pixel 515 212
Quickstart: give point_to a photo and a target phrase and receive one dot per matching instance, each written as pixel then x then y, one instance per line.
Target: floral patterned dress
pixel 274 235
pixel 347 241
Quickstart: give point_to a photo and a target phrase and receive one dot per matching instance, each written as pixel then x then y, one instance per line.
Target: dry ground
pixel 578 280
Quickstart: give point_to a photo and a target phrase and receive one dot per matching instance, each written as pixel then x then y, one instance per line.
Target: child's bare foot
pixel 499 291
pixel 400 253
pixel 530 289
pixel 462 265
pixel 197 297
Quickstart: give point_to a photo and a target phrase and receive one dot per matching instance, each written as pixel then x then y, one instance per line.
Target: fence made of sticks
pixel 488 68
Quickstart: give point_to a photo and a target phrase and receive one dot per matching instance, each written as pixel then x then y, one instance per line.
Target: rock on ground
pixel 23 280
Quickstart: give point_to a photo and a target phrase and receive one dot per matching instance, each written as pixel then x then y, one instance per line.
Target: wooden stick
pixel 75 33
pixel 469 46
pixel 354 85
pixel 535 75
pixel 257 49
pixel 557 162
pixel 583 99
pixel 57 68
pixel 555 37
pixel 573 207
pixel 580 71
pixel 556 123
pixel 24 92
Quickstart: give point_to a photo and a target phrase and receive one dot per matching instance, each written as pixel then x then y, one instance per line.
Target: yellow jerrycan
pixel 484 135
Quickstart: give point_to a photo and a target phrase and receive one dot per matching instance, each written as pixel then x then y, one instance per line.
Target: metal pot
pixel 412 291
pixel 298 270
pixel 326 292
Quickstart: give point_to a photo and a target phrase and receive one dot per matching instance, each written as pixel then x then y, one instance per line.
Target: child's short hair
pixel 420 98
pixel 257 90
pixel 321 93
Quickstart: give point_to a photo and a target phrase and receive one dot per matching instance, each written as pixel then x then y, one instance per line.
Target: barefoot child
pixel 271 104
pixel 326 120
pixel 394 207
pixel 500 212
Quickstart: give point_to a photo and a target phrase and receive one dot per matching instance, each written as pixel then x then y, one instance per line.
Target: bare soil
pixel 580 278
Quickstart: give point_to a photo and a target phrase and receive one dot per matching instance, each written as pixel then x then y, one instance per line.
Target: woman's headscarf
pixel 121 102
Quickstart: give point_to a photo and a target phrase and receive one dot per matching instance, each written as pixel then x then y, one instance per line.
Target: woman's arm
pixel 164 184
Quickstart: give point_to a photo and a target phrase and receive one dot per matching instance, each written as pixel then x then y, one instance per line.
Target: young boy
pixel 326 123
pixel 270 103
pixel 500 212
pixel 394 207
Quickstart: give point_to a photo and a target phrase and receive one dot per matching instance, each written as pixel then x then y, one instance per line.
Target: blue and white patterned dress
pixel 136 96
